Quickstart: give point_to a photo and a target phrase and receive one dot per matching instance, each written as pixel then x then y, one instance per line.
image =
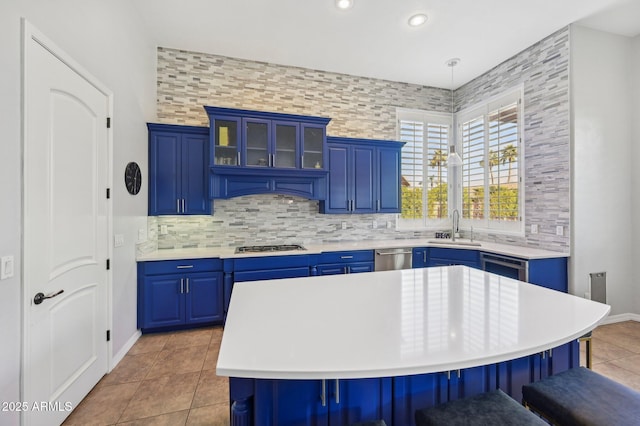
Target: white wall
pixel 601 165
pixel 635 146
pixel 107 39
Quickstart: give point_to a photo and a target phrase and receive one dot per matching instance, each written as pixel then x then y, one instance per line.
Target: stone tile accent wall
pixel 544 70
pixel 359 107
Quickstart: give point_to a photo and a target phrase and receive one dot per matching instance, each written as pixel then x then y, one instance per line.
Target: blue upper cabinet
pixel 178 172
pixel 256 139
pixel 364 176
pixel 258 152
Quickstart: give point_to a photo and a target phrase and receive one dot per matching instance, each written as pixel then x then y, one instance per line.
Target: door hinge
pixel 108 264
pixel 108 122
pixel 108 335
pixel 108 193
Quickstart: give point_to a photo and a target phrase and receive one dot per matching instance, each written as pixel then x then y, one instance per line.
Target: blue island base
pixel 341 402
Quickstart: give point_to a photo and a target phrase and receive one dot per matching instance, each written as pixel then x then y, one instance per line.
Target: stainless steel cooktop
pixel 269 248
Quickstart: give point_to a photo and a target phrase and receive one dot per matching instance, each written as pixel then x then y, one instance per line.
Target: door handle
pixel 183 206
pixel 39 298
pixel 337 391
pixel 187 279
pixel 181 285
pixel 323 395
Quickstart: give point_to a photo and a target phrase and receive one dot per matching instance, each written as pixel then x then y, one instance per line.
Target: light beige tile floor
pixel 169 378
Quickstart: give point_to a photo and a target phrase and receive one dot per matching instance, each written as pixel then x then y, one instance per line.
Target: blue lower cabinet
pixel 450 256
pixel 322 402
pixel 345 262
pixel 550 273
pixel 169 298
pixel 419 257
pixel 394 400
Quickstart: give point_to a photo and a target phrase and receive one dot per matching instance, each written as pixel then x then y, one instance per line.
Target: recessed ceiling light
pixel 344 4
pixel 417 20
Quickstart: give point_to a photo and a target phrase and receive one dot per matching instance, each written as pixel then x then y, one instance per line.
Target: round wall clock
pixel 132 178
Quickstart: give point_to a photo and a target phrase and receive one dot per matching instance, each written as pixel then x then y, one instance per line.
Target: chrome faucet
pixel 455 218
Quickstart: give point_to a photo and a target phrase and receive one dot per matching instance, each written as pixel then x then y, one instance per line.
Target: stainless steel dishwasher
pixel 393 258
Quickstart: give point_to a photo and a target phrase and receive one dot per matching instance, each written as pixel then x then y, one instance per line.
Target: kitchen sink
pixel 451 242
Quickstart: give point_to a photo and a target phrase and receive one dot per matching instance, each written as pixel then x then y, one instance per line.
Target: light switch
pixel 344 225
pixel 559 231
pixel 118 240
pixel 6 267
pixel 374 224
pixel 534 228
pixel 163 230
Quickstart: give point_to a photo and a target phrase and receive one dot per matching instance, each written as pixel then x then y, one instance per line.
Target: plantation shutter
pixel 437 152
pixel 503 149
pixel 473 172
pixel 412 132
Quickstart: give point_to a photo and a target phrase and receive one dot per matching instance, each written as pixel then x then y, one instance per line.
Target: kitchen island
pixel 341 349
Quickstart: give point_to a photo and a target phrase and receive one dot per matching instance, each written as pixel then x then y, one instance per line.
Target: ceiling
pixel 372 39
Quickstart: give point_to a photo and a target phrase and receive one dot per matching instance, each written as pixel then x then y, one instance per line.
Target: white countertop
pixel 394 323
pixel 229 252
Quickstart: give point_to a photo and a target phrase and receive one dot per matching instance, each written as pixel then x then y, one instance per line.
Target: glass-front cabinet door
pixel 226 141
pixel 285 144
pixel 313 146
pixel 256 139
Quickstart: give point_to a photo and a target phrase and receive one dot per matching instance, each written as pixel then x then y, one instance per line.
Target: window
pixel 487 189
pixel 424 167
pixel 492 157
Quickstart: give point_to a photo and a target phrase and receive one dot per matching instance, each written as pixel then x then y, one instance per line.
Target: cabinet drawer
pixel 270 262
pixel 346 256
pixel 454 254
pixel 180 266
pixel 271 274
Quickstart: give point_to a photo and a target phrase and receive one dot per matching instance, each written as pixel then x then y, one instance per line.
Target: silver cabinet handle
pixel 178 205
pixel 184 266
pixel 183 211
pixel 302 161
pixel 238 158
pixel 337 391
pixel 181 285
pixel 424 256
pixel 187 279
pixel 345 270
pixel 346 257
pixel 391 253
pixel 377 205
pixel 323 394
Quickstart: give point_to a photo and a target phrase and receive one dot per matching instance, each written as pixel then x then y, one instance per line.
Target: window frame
pixel 485 109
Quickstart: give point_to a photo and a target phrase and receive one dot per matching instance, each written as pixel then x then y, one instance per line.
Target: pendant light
pixel 453 159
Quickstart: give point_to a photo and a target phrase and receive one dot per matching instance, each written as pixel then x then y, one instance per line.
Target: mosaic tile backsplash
pixel 361 107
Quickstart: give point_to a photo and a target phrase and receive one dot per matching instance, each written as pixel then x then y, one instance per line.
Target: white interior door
pixel 66 225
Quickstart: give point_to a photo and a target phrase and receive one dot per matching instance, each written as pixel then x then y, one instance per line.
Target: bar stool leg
pixel 587 347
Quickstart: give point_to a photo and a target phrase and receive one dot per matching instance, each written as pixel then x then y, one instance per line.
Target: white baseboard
pixel 611 319
pixel 115 359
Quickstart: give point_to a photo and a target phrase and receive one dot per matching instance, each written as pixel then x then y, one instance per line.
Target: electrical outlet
pixel 163 230
pixel 374 224
pixel 559 230
pixel 118 240
pixel 534 228
pixel 6 267
pixel 389 224
pixel 343 225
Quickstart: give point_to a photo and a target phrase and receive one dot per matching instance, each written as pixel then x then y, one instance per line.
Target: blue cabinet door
pixel 290 402
pixel 178 176
pixel 204 300
pixel 450 256
pixel 163 298
pixel 338 191
pixel 360 400
pixel 388 182
pixel 164 173
pixel 322 403
pixel 362 170
pixel 195 174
